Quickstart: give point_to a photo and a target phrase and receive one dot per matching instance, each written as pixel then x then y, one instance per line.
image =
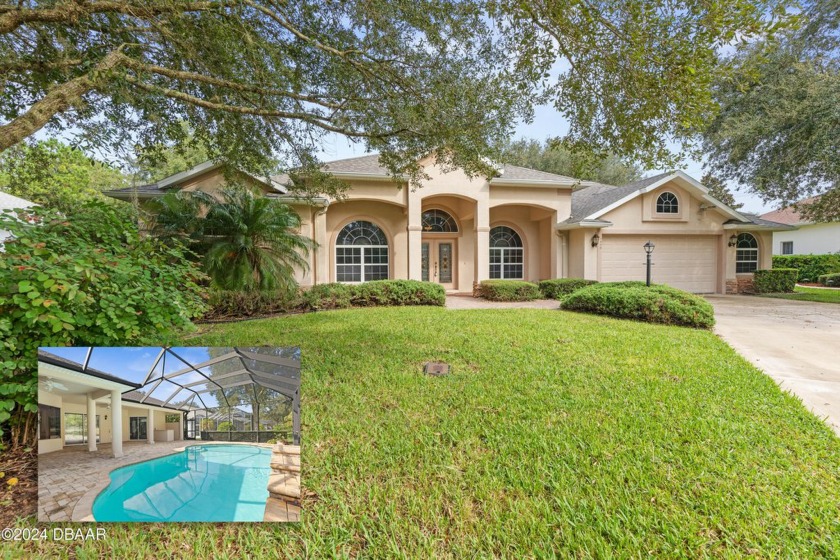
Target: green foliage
pixel 810 267
pixel 55 175
pixel 775 280
pixel 831 280
pixel 777 130
pixel 560 287
pixel 247 242
pixel 509 290
pixel 259 78
pixel 172 418
pixel 235 303
pixel 376 293
pixel 634 300
pixel 85 278
pixel 554 157
pixel 804 293
pixel 719 190
pixel 224 426
pixel 327 296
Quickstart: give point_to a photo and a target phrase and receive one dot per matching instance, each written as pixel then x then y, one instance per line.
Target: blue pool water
pixel 203 483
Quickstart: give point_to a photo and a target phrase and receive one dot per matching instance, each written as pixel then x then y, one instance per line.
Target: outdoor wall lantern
pixel 648 249
pixel 733 240
pixel 595 240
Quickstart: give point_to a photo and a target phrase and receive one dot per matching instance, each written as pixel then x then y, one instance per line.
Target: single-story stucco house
pixel 518 224
pixel 809 238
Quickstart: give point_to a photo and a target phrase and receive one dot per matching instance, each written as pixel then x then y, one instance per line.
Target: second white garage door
pixel 685 262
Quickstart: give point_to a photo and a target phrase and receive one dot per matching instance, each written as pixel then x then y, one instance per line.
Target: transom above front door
pixel 438 262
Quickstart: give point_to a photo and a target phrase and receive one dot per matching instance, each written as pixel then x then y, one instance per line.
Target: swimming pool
pixel 202 483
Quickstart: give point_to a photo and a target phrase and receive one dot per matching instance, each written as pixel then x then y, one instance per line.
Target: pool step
pixel 283 502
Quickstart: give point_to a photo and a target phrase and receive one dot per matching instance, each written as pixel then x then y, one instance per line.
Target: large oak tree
pixel 259 79
pixel 778 131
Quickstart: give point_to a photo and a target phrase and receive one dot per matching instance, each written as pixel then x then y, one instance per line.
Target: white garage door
pixel 686 262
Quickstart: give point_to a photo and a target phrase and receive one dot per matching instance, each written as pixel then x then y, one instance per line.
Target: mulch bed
pixel 20 499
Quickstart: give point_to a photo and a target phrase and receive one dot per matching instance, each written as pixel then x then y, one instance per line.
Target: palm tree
pixel 246 242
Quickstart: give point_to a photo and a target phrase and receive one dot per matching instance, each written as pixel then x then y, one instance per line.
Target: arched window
pixel 746 253
pixel 361 253
pixel 507 257
pixel 438 221
pixel 667 203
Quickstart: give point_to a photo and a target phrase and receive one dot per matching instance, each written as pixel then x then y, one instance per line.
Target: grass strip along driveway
pixel 556 433
pixel 803 293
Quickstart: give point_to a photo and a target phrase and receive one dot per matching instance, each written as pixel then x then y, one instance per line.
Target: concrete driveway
pixel 797 343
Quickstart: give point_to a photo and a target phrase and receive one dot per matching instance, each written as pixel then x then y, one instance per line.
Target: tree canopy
pixel 553 157
pixel 264 79
pixel 719 190
pixel 55 175
pixel 778 130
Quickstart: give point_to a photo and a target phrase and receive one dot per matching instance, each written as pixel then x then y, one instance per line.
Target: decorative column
pixel 322 252
pixel 116 424
pixel 482 240
pixel 91 419
pixel 150 425
pixel 415 234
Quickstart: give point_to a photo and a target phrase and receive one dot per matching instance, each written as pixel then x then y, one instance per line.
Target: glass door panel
pixel 424 260
pixel 137 427
pixel 75 428
pixel 445 262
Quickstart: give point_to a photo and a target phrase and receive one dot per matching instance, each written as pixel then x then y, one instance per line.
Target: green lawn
pixel 802 293
pixel 557 434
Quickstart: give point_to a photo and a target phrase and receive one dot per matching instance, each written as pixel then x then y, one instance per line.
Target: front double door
pixel 438 262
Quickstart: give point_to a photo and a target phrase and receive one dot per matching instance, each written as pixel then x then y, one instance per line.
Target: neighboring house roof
pixel 50 358
pixel 591 203
pixel 10 202
pixel 163 186
pixel 788 214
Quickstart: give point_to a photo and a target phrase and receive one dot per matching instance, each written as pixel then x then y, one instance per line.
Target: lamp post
pixel 648 249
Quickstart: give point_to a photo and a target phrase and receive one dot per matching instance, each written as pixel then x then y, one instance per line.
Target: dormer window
pixel 667 203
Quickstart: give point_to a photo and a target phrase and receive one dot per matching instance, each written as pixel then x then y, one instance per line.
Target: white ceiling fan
pixel 51 384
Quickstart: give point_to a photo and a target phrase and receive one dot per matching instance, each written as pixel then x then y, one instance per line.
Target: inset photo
pixel 161 434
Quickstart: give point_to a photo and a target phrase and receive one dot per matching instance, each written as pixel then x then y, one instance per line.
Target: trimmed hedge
pixel 634 300
pixel 509 290
pixel 775 280
pixel 560 287
pixel 230 303
pixel 376 293
pixel 830 280
pixel 811 267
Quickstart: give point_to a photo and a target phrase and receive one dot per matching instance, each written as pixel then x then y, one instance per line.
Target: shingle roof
pixel 648 181
pixel 757 220
pixel 589 200
pixel 10 201
pixel 368 165
pixel 516 173
pixel 788 215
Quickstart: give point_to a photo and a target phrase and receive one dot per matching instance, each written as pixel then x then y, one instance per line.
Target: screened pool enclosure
pixel 248 394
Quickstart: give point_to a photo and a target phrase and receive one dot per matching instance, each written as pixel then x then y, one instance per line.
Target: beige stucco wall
pixel 583 258
pixel 389 217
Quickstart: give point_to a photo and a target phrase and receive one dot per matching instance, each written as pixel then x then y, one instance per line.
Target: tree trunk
pixel 58 100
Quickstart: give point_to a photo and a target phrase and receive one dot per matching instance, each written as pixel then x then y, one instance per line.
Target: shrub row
pixel 634 300
pixel 830 280
pixel 775 280
pixel 376 293
pixel 560 287
pixel 509 290
pixel 810 267
pixel 229 304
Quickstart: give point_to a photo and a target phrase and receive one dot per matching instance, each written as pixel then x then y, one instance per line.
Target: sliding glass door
pixel 76 428
pixel 137 427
